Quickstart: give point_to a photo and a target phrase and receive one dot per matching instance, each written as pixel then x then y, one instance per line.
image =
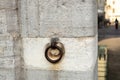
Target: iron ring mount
pixel 54 52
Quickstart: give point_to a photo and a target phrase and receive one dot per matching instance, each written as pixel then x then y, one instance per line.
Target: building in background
pixel 112 10
pixel 101 6
pixel 101 13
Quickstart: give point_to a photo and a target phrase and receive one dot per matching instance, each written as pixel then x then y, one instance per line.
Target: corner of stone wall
pixel 10 41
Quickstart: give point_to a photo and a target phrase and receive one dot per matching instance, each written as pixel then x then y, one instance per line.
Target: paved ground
pixel 111 38
pixel 102 71
pixel 108 32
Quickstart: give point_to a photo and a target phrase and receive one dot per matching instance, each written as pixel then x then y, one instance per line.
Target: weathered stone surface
pixel 3 23
pixel 12 20
pixel 6 45
pixel 68 32
pixel 7 74
pixel 10 59
pixel 38 74
pixel 8 21
pixel 7 62
pixel 67 19
pixel 78 55
pixel 29 17
pixel 63 18
pixel 8 4
pixel 18 59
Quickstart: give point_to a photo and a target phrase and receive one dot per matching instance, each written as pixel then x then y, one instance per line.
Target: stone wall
pixel 9 42
pixel 26 26
pixel 63 18
pixel 74 23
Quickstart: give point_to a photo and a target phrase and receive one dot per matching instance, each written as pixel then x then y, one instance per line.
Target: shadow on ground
pixel 113 45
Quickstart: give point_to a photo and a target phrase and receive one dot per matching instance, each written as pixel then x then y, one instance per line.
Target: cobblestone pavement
pixel 111 38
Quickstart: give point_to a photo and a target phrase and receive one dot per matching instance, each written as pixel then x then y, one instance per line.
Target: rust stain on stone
pixel 83 38
pixel 55 68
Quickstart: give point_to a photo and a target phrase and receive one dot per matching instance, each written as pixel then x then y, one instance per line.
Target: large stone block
pixel 7 62
pixel 7 74
pixel 8 21
pixel 12 21
pixel 80 56
pixel 67 18
pixel 74 22
pixel 8 4
pixel 38 74
pixel 6 45
pixel 3 23
pixel 29 18
pixel 64 18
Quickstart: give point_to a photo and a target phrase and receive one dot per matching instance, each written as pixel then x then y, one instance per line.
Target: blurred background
pixel 108 39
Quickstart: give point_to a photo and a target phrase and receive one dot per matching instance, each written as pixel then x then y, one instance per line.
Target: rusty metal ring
pixel 60 54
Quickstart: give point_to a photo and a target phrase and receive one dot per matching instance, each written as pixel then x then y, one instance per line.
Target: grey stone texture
pixel 63 18
pixel 7 74
pixel 8 4
pixel 75 20
pixel 10 58
pixel 7 60
pixel 36 74
pixel 6 45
